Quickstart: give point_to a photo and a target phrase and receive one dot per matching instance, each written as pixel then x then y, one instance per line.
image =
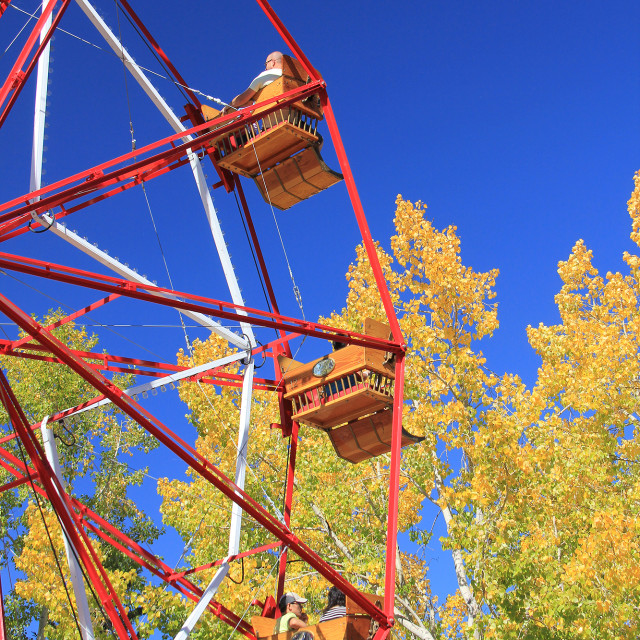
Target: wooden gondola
pixel 280 151
pixel 348 394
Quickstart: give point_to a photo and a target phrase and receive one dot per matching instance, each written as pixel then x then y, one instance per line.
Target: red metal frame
pixel 3 632
pixel 100 527
pixel 88 187
pixel 4 5
pixel 17 76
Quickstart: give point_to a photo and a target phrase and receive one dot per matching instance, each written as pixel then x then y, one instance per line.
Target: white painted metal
pixel 214 224
pixel 41 107
pixel 196 165
pixel 158 383
pixel 122 270
pixel 84 617
pixel 236 513
pixel 48 440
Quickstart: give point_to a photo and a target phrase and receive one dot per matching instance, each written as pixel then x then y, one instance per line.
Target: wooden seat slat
pixel 349 627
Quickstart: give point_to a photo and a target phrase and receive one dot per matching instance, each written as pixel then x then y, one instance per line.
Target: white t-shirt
pixel 265 78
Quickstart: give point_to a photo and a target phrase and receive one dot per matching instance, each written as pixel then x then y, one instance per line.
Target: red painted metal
pixel 4 5
pixel 217 563
pixel 135 168
pixel 361 218
pixel 189 455
pixel 256 245
pixel 394 491
pixel 3 631
pixel 69 318
pixel 96 524
pixel 17 76
pixel 94 185
pixel 14 484
pixel 209 306
pixel 180 80
pixel 288 501
pixel 288 38
pixel 60 503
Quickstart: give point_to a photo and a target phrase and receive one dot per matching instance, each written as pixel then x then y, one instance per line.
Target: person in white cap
pixel 293 618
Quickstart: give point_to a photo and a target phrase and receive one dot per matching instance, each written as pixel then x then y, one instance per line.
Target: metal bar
pixel 84 617
pixel 58 499
pixel 286 350
pixel 69 318
pixel 40 111
pixel 361 219
pixel 216 307
pixel 189 455
pixel 288 38
pixel 17 77
pixel 4 5
pixel 127 7
pixel 196 167
pixel 394 492
pixel 236 511
pixel 162 382
pixel 133 168
pixel 3 631
pixel 13 485
pixel 288 501
pixel 122 270
pixel 217 563
pixel 133 550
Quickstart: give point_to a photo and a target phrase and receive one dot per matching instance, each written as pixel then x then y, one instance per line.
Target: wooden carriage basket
pixel 281 151
pixel 348 394
pixel 356 625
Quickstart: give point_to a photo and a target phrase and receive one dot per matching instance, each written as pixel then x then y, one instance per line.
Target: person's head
pixel 274 61
pixel 336 598
pixel 291 602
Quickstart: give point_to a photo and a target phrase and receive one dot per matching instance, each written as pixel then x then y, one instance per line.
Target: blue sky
pixel 518 122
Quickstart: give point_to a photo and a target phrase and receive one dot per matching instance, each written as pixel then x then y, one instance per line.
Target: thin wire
pixel 32 16
pixel 253 253
pixel 66 306
pixel 46 527
pixel 133 148
pixel 296 291
pixel 152 326
pixel 111 53
pixel 166 267
pixel 260 484
pixel 256 592
pixel 153 52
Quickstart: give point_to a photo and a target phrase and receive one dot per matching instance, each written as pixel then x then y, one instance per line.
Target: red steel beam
pixel 213 376
pixel 288 502
pixel 69 318
pixel 288 38
pixel 133 167
pixel 17 77
pixel 60 503
pixel 190 456
pixel 4 5
pixel 394 490
pixel 209 306
pixel 127 7
pixel 3 631
pixel 361 218
pixel 217 563
pixel 132 549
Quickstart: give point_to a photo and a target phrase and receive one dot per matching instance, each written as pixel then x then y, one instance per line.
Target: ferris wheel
pixel 352 393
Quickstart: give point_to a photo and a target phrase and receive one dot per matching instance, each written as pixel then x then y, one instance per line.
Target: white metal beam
pixel 236 511
pixel 125 272
pixel 171 379
pixel 84 617
pixel 196 166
